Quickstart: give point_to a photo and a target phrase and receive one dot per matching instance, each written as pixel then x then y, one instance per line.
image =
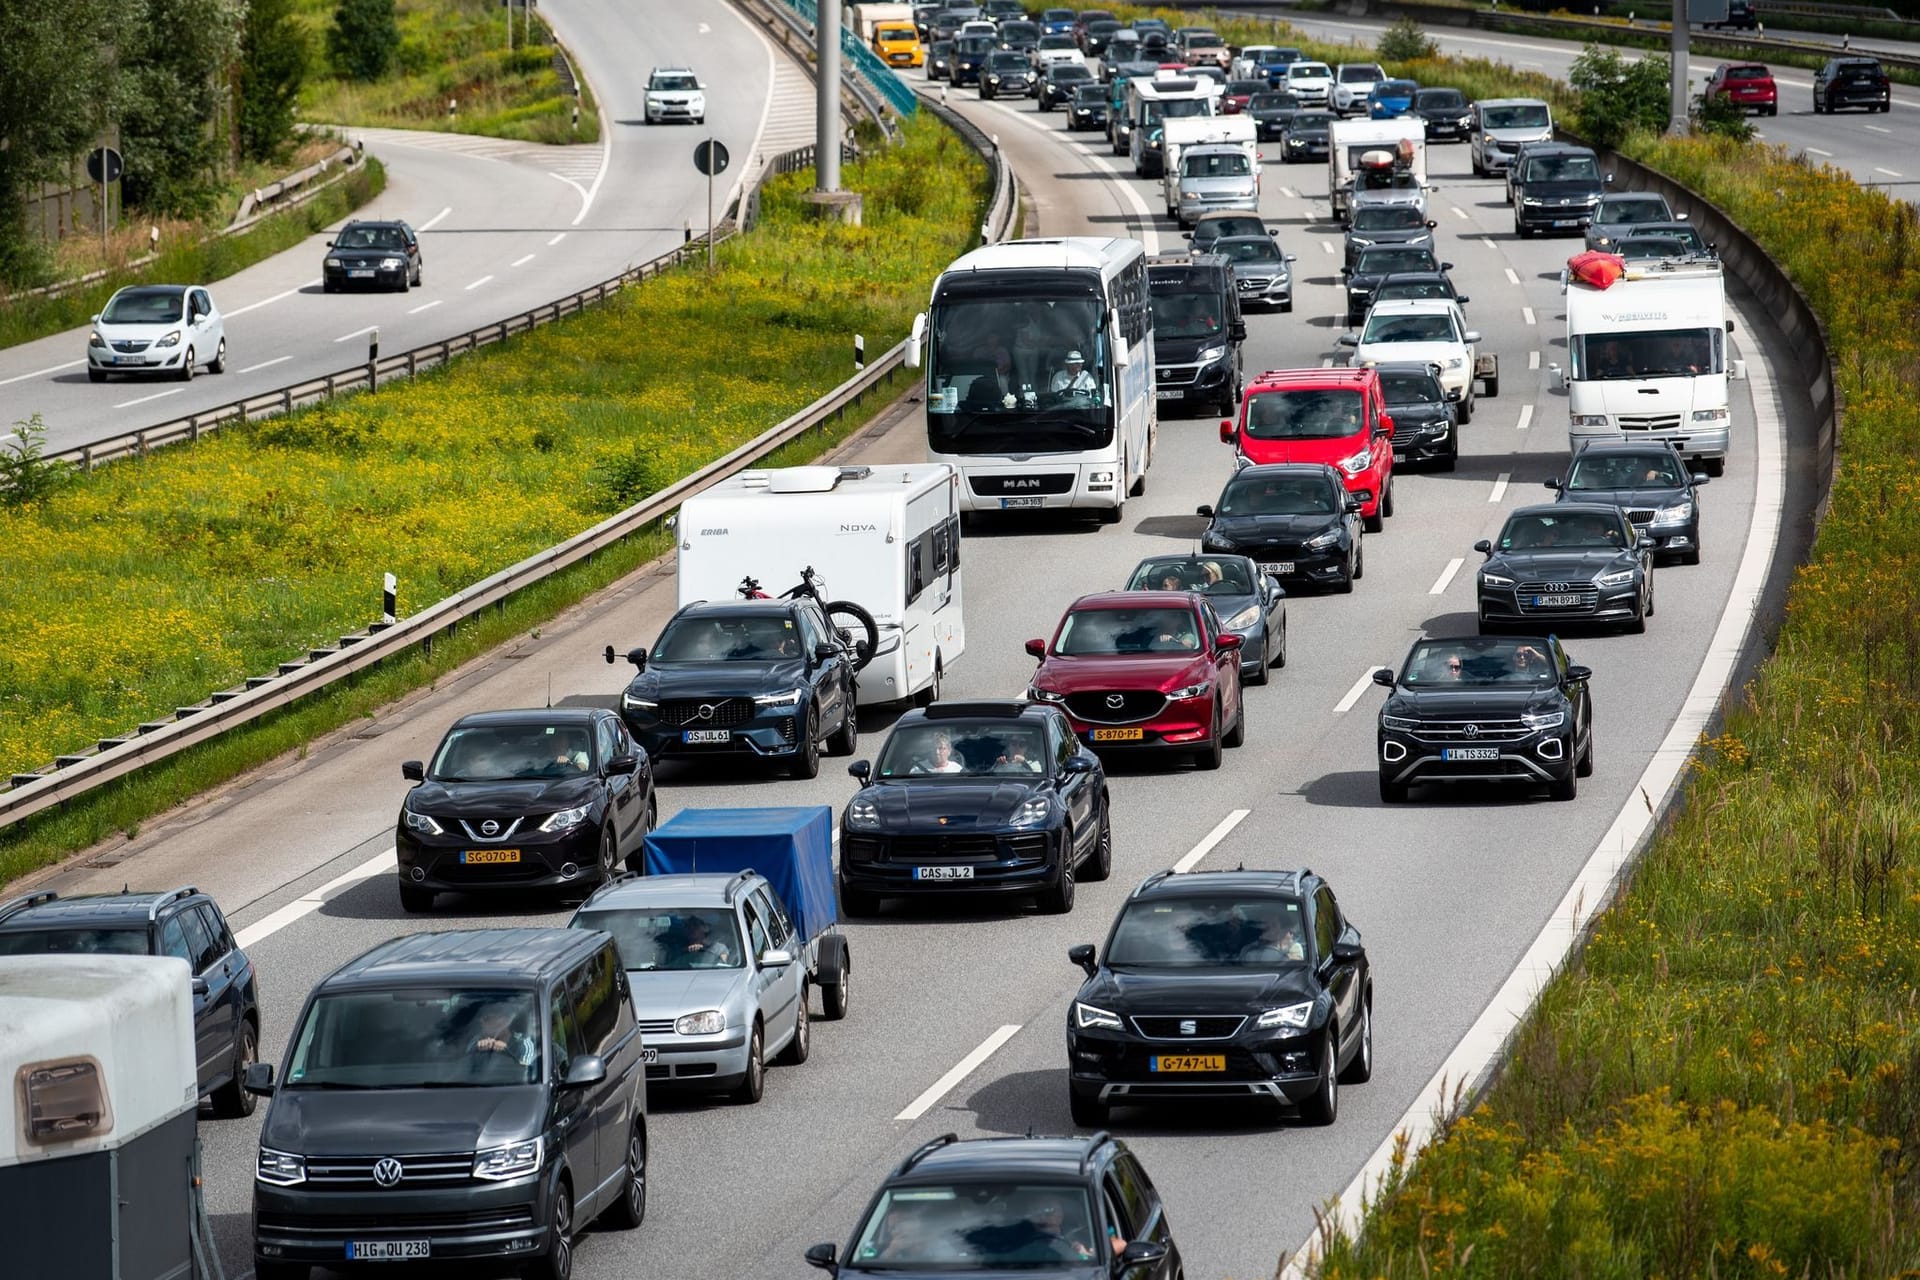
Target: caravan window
pixel 918 553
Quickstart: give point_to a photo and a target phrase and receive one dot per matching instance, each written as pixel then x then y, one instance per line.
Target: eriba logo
pixel 713 533
pixel 859 528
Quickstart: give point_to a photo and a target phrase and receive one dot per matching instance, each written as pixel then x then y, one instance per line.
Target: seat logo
pixel 1116 700
pixel 1189 1027
pixel 487 828
pixel 387 1172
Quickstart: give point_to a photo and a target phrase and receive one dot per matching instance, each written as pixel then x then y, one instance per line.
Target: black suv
pixel 1222 984
pixel 1479 709
pixel 181 922
pixel 382 255
pixel 1852 82
pixel 1007 74
pixel 1295 520
pixel 473 1096
pixel 1372 265
pixel 1197 330
pixel 517 800
pixel 976 797
pixel 1425 423
pixel 764 678
pixel 1649 482
pixel 1555 186
pixel 1080 1206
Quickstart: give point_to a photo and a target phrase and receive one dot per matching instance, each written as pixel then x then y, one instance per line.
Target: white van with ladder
pixel 886 538
pixel 1648 358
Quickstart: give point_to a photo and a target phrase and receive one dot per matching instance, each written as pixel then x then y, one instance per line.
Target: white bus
pixel 1165 97
pixel 1008 408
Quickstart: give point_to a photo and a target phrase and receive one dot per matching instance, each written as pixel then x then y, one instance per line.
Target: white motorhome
pixel 885 537
pixel 1191 131
pixel 1377 155
pixel 1649 358
pixel 98 1154
pixel 865 19
pixel 1168 96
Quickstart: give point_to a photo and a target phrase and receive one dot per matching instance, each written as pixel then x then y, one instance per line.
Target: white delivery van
pixel 1178 134
pixel 1379 155
pixel 98 1152
pixel 1648 358
pixel 884 537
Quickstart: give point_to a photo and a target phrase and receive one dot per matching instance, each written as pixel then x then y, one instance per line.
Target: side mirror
pixel 1348 952
pixel 1204 509
pixel 1142 1253
pixel 329 245
pixel 1082 955
pixel 1292 257
pixel 1472 335
pixel 1348 340
pixel 1383 676
pixel 914 339
pixel 861 769
pixel 1484 547
pixel 258 1079
pixel 1353 506
pixel 1226 433
pixel 637 656
pixel 588 1068
pixel 825 650
pixel 1431 224
pixel 1576 673
pixel 1555 484
pixel 1679 217
pixel 1609 179
pixel 1386 424
pixel 776 958
pixel 1446 266
pixel 413 770
pixel 1463 299
pixel 96 317
pixel 1186 235
pixel 1237 331
pixel 825 1257
pixel 1037 650
pixel 621 766
pixel 1699 478
pixel 1346 271
pixel 1226 643
pixel 1116 341
pixel 1557 376
pixel 1729 326
pixel 198 986
pixel 1077 764
pixel 1739 371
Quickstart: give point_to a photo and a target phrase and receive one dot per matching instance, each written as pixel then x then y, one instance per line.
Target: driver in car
pixel 1074 379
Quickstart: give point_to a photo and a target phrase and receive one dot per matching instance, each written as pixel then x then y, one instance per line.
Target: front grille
pixel 719 713
pixel 1639 515
pixel 504 827
pixel 1116 707
pixel 1177 375
pixel 454 871
pixel 1253 284
pixel 353 1173
pixel 1174 1026
pixel 860 848
pixel 1649 421
pixel 927 849
pixel 1270 552
pixel 1472 733
pixel 655 1026
pixel 517 1217
pixel 130 346
pixel 1585 594
pixel 1020 486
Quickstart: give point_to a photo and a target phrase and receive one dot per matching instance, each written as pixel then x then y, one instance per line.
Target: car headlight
pixel 993 79
pixel 1456 362
pixel 1400 724
pixel 1678 513
pixel 864 815
pixel 1532 201
pixel 333 262
pixel 1244 619
pixel 1544 719
pixel 280 1168
pixel 1360 242
pixel 1033 813
pixel 789 698
pixel 1200 690
pixel 499 1164
pixel 566 819
pixel 390 264
pixel 1588 420
pixel 171 340
pixel 1618 578
pixel 422 823
pixel 1709 415
pixel 1211 354
pixel 1357 463
pixel 1045 695
pixel 1495 580
pixel 95 340
pixel 1293 1016
pixel 1321 541
pixel 1086 1015
pixel 1592 197
pixel 1217 542
pixel 634 702
pixel 708 1022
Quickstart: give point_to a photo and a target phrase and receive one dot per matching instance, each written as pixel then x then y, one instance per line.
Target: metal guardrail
pixel 874 74
pixel 798 26
pixel 261 197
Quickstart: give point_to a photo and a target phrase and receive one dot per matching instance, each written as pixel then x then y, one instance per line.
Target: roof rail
pixel 924 1150
pixel 1095 1140
pixel 171 896
pixel 1151 881
pixel 26 903
pixel 739 878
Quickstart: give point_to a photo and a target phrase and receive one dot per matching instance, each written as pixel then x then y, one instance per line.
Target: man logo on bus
pixel 1022 484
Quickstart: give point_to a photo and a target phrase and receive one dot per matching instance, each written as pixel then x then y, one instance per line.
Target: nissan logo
pixel 487 828
pixel 387 1172
pixel 706 711
pixel 1116 700
pixel 1471 731
pixel 1188 1027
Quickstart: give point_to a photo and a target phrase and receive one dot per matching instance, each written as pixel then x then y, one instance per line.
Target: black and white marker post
pixel 389 585
pixel 373 359
pixel 859 353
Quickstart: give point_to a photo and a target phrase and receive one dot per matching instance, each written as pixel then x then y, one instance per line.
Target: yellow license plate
pixel 1190 1062
pixel 1119 735
pixel 481 857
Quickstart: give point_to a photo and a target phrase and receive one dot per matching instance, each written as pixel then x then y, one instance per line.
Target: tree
pixel 1618 97
pixel 273 64
pixel 363 38
pixel 1405 41
pixel 174 79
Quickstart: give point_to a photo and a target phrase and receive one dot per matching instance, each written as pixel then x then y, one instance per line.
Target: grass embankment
pixel 454 50
pixel 160 581
pixel 190 252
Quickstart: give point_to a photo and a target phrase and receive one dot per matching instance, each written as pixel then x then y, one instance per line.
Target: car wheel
pixel 1088 1112
pixel 1566 788
pixel 931 694
pixel 1058 900
pixel 1280 660
pixel 1392 792
pixel 630 1210
pixel 231 1101
pixel 415 901
pixel 847 740
pixel 1208 756
pixel 1100 864
pixel 1492 385
pixel 754 1085
pixel 637 860
pixel 96 375
pixel 219 362
pixel 806 756
pixel 802 1043
pixel 1345 585
pixel 1466 408
pixel 558 1264
pixel 1375 522
pixel 858 903
pixel 1360 1070
pixel 1520 231
pixel 1638 627
pixel 1715 467
pixel 328 286
pixel 1324 1106
pixel 1816 104
pixel 1585 767
pixel 833 995
pixel 1651 602
pixel 1386 501
pixel 1451 461
pixel 186 366
pixel 1111 515
pixel 1237 736
pixel 1693 556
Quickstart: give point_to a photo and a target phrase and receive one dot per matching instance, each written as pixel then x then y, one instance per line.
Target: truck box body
pixel 791 847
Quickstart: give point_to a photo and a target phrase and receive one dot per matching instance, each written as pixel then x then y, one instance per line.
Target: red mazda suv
pixel 1145 669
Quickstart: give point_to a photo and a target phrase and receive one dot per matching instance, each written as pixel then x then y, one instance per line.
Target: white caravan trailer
pixel 1351 156
pixel 885 537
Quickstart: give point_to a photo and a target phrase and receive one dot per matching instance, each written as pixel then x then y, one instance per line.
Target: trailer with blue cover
pixel 791 847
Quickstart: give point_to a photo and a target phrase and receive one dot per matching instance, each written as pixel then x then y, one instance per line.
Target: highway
pixel 1449 890
pixel 506 226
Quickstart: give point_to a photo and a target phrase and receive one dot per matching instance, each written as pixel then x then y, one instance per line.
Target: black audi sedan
pixel 1222 984
pixel 1417 284
pixel 1425 423
pixel 770 679
pixel 1251 604
pixel 1567 562
pixel 1649 482
pixel 1508 709
pixel 518 800
pixel 976 797
pixel 1371 266
pixel 1293 519
pixel 380 255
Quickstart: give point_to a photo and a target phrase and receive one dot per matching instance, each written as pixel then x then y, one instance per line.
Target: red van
pixel 1335 416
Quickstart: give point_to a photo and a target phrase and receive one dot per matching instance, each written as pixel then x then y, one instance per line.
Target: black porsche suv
pixel 764 678
pixel 1479 709
pixel 1222 984
pixel 976 797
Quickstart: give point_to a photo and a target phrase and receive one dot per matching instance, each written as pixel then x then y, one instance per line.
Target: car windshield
pixel 973 46
pixel 1205 574
pixel 1633 209
pixel 1478 660
pixel 1748 73
pixel 674 84
pixel 1395 89
pixel 1411 388
pixel 1278 496
pixel 1217 164
pixel 144 306
pixel 1058 42
pixel 1384 261
pixel 1308 71
pixel 1069 73
pixel 1331 414
pixel 1388 217
pixel 728 639
pixel 503 753
pixel 1187 315
pixel 1625 471
pixel 1639 248
pixel 975 1226
pixel 1272 102
pixel 1311 122
pixel 1363 73
pixel 1563 169
pixel 1423 328
pixel 1208 933
pixel 1019 31
pixel 1221 228
pixel 1395 289
pixel 1105 632
pixel 1245 88
pixel 1650 353
pixel 958 749
pixel 1204 42
pixel 1522 116
pixel 370 238
pixel 1575 530
pixel 1248 249
pixel 1439 100
pixel 1007 62
pixel 74 942
pixel 663 937
pixel 417 1038
pixel 1088 95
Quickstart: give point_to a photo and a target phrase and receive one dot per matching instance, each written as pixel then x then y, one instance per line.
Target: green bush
pixel 1405 41
pixel 363 39
pixel 1722 117
pixel 1618 97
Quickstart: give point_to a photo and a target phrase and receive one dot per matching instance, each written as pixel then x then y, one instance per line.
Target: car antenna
pixel 549 690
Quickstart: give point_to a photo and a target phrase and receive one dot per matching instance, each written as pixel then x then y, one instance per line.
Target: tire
pixel 231 1101
pixel 609 856
pixel 1237 736
pixel 855 625
pixel 558 1262
pixel 1451 461
pixel 1323 1108
pixel 415 901
pixel 1690 557
pixel 186 367
pixel 1715 467
pixel 1520 231
pixel 846 740
pixel 1638 627
pixel 96 375
pixel 406 283
pixel 1584 768
pixel 1088 1113
pixel 858 903
pixel 1058 900
pixel 637 860
pixel 833 995
pixel 1392 792
pixel 806 755
pixel 630 1210
pixel 1100 864
pixel 1386 501
pixel 1259 674
pixel 1360 561
pixel 1466 406
pixel 1281 661
pixel 751 1089
pixel 328 286
pixel 1360 1070
pixel 1208 757
pixel 1377 521
pixel 802 1043
pixel 931 694
pixel 1345 585
pixel 219 362
pixel 1567 788
pixel 1492 386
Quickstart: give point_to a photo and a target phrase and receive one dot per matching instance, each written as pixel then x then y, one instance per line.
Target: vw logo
pixel 387 1172
pixel 706 711
pixel 1116 700
pixel 1471 731
pixel 487 828
pixel 1188 1027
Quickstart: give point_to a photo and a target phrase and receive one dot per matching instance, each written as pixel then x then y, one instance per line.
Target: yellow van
pixel 899 45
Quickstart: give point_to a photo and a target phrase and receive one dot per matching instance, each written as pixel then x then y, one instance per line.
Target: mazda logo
pixel 706 711
pixel 1188 1027
pixel 1116 700
pixel 387 1172
pixel 487 828
pixel 1471 731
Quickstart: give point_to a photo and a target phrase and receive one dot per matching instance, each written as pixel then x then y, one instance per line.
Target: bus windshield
pixel 1018 375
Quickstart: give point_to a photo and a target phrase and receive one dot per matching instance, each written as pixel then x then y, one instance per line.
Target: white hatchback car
pixel 157 328
pixel 1311 82
pixel 675 93
pixel 1353 84
pixel 1425 331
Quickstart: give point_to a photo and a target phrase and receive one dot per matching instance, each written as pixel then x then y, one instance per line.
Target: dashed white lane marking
pixel 1460 213
pixel 1289 193
pixel 1360 686
pixel 266 364
pixel 1487 241
pixel 357 332
pixel 1879 129
pixel 305 905
pixel 1816 151
pixel 434 221
pixel 1527 314
pixel 1511 277
pixel 1439 588
pixel 1500 486
pixel 556 240
pixel 158 395
pixel 1889 172
pixel 1207 842
pixel 426 306
pixel 961 1070
pixel 1326 246
pixel 1533 359
pixel 41 373
pixel 284 293
pixel 1526 417
pixel 477 283
pixel 521 262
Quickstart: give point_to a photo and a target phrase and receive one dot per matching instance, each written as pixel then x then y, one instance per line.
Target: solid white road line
pixel 1207 843
pixel 266 364
pixel 1816 151
pixel 1512 278
pixel 1360 686
pixel 556 240
pixel 265 927
pixel 1500 486
pixel 41 373
pixel 578 190
pixel 477 283
pixel 1889 172
pixel 1527 314
pixel 1526 417
pixel 434 221
pixel 1446 575
pixel 284 293
pixel 961 1070
pixel 606 154
pixel 357 332
pixel 1533 359
pixel 158 395
pixel 521 262
pixel 426 306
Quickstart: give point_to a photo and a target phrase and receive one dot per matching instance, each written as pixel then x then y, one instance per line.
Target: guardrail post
pixel 286 399
pixel 193 428
pixel 329 386
pixel 140 443
pixel 86 458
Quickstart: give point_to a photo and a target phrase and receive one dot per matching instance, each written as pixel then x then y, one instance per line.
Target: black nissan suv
pixel 763 678
pixel 1225 985
pixel 184 923
pixel 1479 709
